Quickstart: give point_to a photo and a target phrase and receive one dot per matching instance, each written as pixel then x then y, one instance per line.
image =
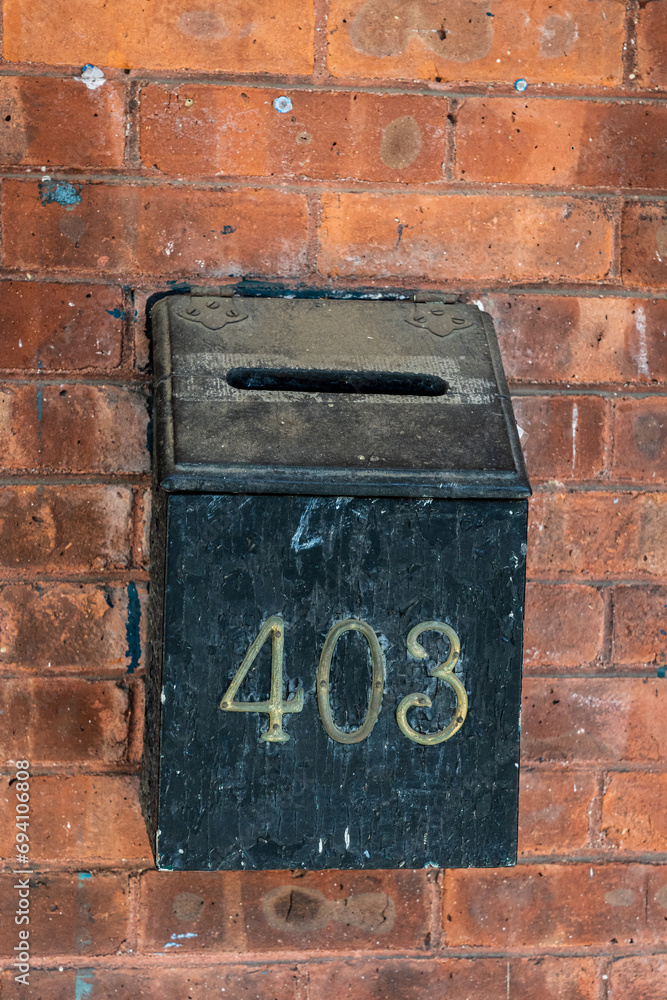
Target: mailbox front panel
pixel 235 564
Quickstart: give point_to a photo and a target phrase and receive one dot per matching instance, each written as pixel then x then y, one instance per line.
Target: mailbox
pixel 336 603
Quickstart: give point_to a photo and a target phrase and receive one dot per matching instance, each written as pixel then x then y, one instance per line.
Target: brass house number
pixel 276 706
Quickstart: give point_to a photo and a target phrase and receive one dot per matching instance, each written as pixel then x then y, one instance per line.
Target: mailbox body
pixel 327 507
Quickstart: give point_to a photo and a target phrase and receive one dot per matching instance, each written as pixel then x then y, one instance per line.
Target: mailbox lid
pixel 332 397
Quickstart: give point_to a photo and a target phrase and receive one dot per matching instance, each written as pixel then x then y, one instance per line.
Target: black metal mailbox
pixel 338 555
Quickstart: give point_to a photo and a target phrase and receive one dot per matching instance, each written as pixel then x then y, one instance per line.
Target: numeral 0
pixel 377 681
pixel 276 706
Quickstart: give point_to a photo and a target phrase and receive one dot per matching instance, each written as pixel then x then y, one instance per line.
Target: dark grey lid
pixel 332 397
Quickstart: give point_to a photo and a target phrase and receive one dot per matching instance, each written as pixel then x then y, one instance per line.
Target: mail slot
pixel 337 585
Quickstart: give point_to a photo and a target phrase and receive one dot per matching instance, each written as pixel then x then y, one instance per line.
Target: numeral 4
pixel 275 707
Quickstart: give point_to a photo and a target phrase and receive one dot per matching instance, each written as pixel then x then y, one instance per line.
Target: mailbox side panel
pixel 229 800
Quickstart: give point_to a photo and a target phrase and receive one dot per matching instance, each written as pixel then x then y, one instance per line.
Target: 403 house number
pixel 276 706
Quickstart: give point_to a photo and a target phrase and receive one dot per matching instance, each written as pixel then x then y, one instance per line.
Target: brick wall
pixel 407 158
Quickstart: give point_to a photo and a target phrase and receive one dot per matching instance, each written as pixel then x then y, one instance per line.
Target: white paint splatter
pixel 642 358
pixel 346 837
pixel 575 424
pixel 92 76
pixel 321 848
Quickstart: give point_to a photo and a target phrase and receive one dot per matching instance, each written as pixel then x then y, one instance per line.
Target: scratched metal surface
pixel 227 800
pixel 213 436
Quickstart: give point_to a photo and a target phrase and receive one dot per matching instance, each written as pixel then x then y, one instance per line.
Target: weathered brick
pixel 455 979
pixel 597 535
pixel 282 911
pixel 212 131
pixel 640 625
pixel 567 437
pixel 56 529
pixel 644 252
pixel 464 237
pixel 640 440
pixel 242 982
pixel 643 976
pixel 554 338
pixel 553 811
pixel 64 721
pixel 514 140
pixel 50 327
pixel 552 906
pixel 61 123
pixel 70 914
pixel 478 41
pixel 72 627
pixel 610 719
pixel 564 626
pixel 650 45
pixel 79 822
pixel 74 428
pixel 244 36
pixel 155 230
pixel 634 812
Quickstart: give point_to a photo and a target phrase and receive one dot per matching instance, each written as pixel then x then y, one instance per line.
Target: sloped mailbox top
pixel 332 397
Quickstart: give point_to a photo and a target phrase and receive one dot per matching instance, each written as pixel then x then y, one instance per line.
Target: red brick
pixel 610 719
pixel 552 906
pixel 644 253
pixel 246 36
pixel 644 976
pixel 567 437
pixel 79 822
pixel 512 140
pixel 156 230
pixel 77 914
pixel 74 428
pixel 580 44
pixel 240 982
pixel 212 131
pixel 564 626
pixel 283 911
pixel 70 627
pixel 46 121
pixel 640 629
pixel 49 327
pixel 553 811
pixel 550 338
pixel 651 54
pixel 56 529
pixel 634 812
pixel 640 440
pixel 464 237
pixel 597 535
pixel 455 979
pixel 142 345
pixel 64 721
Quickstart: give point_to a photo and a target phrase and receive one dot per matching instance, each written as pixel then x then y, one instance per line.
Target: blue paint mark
pixel 226 230
pixel 299 543
pixel 520 85
pixel 282 105
pixel 116 313
pixel 662 671
pixel 132 628
pixel 82 987
pixel 60 193
pixel 40 404
pixel 83 875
